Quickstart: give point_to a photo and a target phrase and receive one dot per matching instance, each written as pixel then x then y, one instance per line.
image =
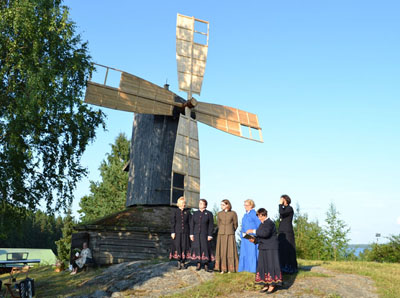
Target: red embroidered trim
pixel 203 257
pixel 268 278
pixel 176 256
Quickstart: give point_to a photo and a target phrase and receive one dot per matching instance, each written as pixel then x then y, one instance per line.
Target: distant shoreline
pixel 358 248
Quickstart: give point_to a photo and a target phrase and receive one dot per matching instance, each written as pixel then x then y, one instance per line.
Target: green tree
pixel 310 239
pixel 36 230
pixel 44 126
pixel 109 195
pixel 336 232
pixel 64 244
pixel 388 252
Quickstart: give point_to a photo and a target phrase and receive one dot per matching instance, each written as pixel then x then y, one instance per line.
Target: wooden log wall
pixel 137 233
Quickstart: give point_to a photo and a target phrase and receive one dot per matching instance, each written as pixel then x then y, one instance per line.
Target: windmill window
pixel 176 194
pixel 178 181
pixel 178 186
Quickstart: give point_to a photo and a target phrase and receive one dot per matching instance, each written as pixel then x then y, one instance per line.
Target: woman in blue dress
pixel 248 251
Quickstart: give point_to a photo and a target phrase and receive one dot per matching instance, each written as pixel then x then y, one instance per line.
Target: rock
pixel 99 294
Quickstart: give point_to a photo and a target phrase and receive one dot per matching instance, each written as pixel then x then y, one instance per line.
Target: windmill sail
pixel 191 53
pixel 133 95
pixel 231 120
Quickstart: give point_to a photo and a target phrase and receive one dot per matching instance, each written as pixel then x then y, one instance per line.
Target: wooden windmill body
pixel 165 160
pixel 164 155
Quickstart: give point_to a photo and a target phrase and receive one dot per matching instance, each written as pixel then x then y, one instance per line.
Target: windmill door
pixel 185 179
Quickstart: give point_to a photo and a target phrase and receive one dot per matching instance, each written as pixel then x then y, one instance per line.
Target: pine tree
pixel 64 244
pixel 109 195
pixel 336 232
pixel 309 237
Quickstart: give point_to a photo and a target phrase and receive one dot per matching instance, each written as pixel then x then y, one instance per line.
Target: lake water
pixel 358 248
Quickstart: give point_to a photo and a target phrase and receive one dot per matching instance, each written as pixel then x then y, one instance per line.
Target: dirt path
pixel 155 280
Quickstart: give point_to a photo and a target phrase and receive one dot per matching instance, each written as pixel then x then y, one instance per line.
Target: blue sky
pixel 322 76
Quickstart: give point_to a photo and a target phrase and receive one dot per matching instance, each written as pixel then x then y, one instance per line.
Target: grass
pixel 226 284
pixel 52 284
pixel 386 277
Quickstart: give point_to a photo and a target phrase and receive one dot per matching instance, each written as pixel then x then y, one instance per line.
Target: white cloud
pixel 398 220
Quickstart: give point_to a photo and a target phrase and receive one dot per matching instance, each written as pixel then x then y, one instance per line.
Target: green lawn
pixel 57 284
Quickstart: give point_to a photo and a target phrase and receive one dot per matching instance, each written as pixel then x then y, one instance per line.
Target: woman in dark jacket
pixel 201 229
pixel 268 268
pixel 287 245
pixel 180 248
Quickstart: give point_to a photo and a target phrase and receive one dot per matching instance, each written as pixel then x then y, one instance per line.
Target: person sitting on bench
pixel 85 257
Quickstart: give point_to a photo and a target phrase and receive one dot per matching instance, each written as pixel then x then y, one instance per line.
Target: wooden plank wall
pixel 113 247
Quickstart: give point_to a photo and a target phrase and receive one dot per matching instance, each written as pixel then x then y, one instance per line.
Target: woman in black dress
pixel 201 229
pixel 287 245
pixel 180 219
pixel 268 270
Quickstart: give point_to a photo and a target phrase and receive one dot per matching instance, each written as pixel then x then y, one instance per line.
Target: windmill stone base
pixel 137 233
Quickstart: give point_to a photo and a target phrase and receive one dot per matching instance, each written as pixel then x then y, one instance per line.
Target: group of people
pixel 263 250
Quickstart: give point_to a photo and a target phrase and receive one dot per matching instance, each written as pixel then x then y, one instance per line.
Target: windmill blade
pixel 191 52
pixel 133 95
pixel 231 120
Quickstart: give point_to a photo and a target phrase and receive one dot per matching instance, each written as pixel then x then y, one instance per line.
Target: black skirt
pixel 180 247
pixel 201 249
pixel 287 252
pixel 268 268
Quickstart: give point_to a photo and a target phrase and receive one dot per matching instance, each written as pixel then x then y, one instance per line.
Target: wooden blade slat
pixel 108 97
pixel 228 113
pixel 228 119
pixel 134 95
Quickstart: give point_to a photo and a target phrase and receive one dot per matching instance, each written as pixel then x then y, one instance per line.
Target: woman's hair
pixel 262 212
pixel 287 199
pixel 180 201
pixel 251 202
pixel 226 202
pixel 204 201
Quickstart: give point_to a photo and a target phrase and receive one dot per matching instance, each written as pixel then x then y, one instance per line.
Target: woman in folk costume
pixel 268 269
pixel 201 229
pixel 226 259
pixel 180 219
pixel 287 245
pixel 248 251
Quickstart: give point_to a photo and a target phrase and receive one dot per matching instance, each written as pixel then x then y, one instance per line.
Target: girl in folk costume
pixel 180 220
pixel 268 267
pixel 226 255
pixel 201 229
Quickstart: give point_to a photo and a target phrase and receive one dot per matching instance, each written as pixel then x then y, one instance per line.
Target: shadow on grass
pixel 289 279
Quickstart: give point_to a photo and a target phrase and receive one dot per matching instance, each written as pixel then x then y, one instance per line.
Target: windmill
pixel 165 160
